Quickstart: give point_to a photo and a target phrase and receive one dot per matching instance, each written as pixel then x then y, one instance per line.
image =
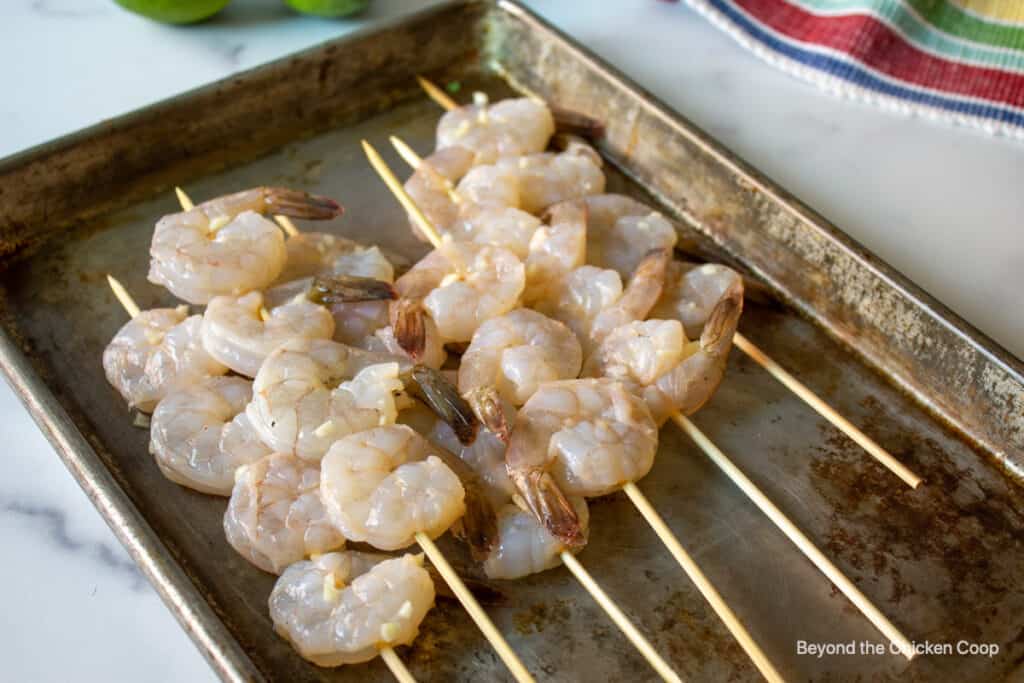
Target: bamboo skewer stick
pixel 477 613
pixel 123 296
pixel 396 665
pixel 706 588
pixel 825 565
pixel 410 157
pixel 762 359
pixel 621 620
pixel 428 228
pixel 435 93
pixel 422 222
pixel 826 411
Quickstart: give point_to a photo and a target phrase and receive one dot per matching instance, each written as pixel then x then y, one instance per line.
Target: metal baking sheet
pixel 942 561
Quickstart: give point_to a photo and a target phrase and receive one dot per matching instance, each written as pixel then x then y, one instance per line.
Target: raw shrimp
pixel 432 183
pixel 158 351
pixel 508 128
pixel 621 231
pixel 309 393
pixel 411 333
pixel 693 290
pixel 354 320
pixel 592 301
pixel 275 516
pixel 463 284
pixel 224 246
pixel 515 353
pixel 384 485
pixel 317 253
pixel 670 373
pixel 555 249
pixel 533 182
pixel 584 437
pixel 240 333
pixel 200 435
pixel 485 455
pixel 524 546
pixel 344 607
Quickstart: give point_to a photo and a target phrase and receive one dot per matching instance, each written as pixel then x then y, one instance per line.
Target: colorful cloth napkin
pixel 955 60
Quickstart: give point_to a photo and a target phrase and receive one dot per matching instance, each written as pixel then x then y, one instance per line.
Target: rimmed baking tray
pixel 943 561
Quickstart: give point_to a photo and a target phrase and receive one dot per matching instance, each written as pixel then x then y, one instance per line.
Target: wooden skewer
pixel 477 613
pixel 825 565
pixel 672 543
pixel 123 296
pixel 396 665
pixel 410 157
pixel 762 359
pixel 621 620
pixel 704 585
pixel 286 223
pixel 435 93
pixel 602 599
pixel 422 222
pixel 826 411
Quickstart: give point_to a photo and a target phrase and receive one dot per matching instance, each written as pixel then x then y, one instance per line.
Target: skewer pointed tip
pixel 123 296
pixel 435 93
pixel 183 199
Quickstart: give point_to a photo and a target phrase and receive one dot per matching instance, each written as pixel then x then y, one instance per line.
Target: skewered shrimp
pixel 224 246
pixel 592 301
pixel 508 128
pixel 240 333
pixel 308 393
pixel 533 182
pixel 317 253
pixel 384 485
pixel 462 285
pixel 200 435
pixel 584 437
pixel 156 352
pixel 555 249
pixel 485 455
pixel 621 231
pixel 693 290
pixel 275 516
pixel 524 546
pixel 515 353
pixel 432 183
pixel 344 607
pixel 411 333
pixel 669 373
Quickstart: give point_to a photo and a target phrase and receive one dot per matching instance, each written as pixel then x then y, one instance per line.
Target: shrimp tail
pixel 577 123
pixel 343 289
pixel 487 406
pixel 298 204
pixel 479 524
pixel 409 327
pixel 716 337
pixel 444 399
pixel 549 505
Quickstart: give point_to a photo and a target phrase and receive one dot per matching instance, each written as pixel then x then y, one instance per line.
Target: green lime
pixel 174 11
pixel 328 8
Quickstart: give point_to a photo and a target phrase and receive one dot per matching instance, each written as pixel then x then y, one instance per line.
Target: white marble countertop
pixel 941 204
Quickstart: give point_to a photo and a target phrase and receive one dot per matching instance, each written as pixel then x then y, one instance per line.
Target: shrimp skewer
pixel 546 497
pixel 385 486
pixel 771 366
pixel 347 607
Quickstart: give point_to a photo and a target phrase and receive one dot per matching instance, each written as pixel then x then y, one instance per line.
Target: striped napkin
pixel 954 60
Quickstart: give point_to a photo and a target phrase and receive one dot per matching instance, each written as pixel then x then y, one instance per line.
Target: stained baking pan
pixel 943 561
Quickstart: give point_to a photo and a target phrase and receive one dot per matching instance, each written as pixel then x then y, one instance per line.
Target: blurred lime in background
pixel 174 11
pixel 191 11
pixel 328 8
